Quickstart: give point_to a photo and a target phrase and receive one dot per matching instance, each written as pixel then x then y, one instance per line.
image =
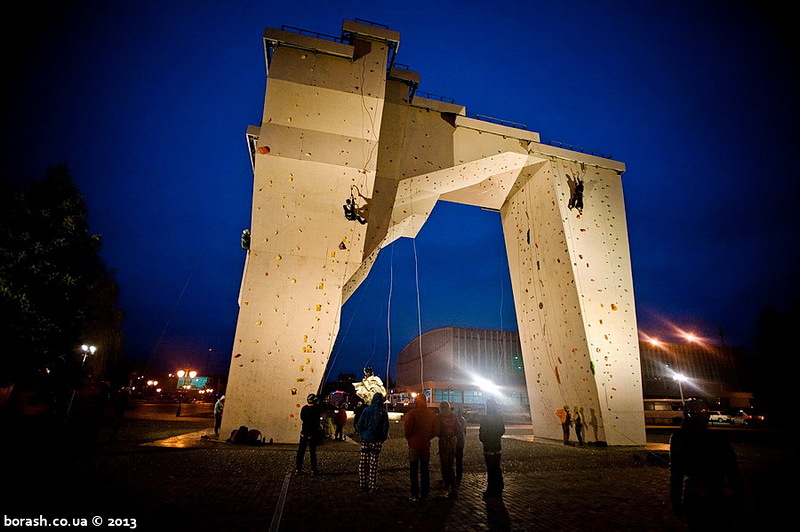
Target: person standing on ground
pixel 566 421
pixel 122 402
pixel 309 433
pixel 219 406
pixel 341 421
pixel 705 483
pixel 419 428
pixel 577 420
pixel 360 406
pixel 461 439
pixel 449 429
pixel 374 427
pixel 491 431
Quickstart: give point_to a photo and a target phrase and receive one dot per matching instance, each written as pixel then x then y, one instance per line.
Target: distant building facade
pixel 712 372
pixel 456 364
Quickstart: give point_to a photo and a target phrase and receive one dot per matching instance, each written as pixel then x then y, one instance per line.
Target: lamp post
pixel 87 350
pixel 183 386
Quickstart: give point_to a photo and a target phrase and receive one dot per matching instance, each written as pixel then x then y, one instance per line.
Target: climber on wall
pixel 351 211
pixel 576 199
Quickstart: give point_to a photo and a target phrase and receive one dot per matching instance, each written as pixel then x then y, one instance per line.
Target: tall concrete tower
pixel 342 120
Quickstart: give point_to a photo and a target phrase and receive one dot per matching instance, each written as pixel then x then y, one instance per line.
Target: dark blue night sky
pixel 147 103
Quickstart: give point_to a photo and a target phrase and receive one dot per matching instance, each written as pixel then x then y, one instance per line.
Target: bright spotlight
pixel 487 386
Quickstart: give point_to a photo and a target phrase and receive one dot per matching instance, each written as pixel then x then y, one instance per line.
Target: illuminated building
pixel 456 362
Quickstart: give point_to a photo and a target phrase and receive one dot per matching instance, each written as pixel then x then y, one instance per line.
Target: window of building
pixel 473 396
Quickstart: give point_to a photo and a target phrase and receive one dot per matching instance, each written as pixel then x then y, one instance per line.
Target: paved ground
pixel 163 473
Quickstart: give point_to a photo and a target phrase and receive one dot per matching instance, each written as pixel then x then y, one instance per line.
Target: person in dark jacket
pixel 373 425
pixel 705 483
pixel 449 429
pixel 461 440
pixel 491 430
pixel 309 433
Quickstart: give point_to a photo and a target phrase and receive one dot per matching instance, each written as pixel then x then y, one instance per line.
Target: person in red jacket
pixel 341 421
pixel 419 428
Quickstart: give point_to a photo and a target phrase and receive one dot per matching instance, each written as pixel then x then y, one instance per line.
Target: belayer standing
pixel 566 422
pixel 577 420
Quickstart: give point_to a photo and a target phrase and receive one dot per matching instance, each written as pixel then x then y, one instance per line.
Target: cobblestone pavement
pixel 172 474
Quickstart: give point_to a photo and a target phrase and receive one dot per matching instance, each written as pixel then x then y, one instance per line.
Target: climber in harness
pixel 576 200
pixel 352 211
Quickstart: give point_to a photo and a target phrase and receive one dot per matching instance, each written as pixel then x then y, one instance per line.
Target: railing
pixel 371 23
pixel 315 34
pixel 498 121
pixel 578 149
pixel 430 96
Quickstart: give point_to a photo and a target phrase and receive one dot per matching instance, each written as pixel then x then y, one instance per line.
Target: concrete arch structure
pixel 341 117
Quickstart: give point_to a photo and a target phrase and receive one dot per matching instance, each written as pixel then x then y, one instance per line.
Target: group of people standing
pixel 571 419
pixel 421 425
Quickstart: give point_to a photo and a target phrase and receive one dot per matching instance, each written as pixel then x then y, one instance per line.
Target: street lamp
pixel 87 350
pixel 680 378
pixel 183 386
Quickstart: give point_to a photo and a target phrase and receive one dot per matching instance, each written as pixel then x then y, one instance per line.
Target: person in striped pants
pixel 373 426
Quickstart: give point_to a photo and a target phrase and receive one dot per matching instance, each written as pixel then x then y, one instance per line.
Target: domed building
pixel 460 365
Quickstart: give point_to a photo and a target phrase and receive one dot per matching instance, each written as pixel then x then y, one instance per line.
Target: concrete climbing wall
pixel 316 143
pixel 340 118
pixel 574 299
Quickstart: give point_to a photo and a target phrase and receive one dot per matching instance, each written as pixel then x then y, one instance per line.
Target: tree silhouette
pixel 54 289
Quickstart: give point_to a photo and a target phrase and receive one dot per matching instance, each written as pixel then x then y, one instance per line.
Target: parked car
pixel 756 418
pixel 748 417
pixel 721 418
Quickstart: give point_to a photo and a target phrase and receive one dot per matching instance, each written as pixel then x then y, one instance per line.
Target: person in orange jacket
pixel 419 428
